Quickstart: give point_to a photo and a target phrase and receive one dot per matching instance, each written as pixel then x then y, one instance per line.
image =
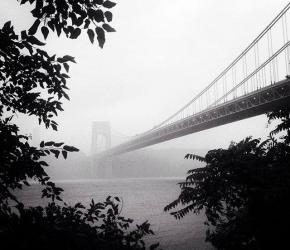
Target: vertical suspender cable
pixel 226 89
pixel 258 61
pixel 233 82
pixel 244 74
pixel 288 48
pixel 273 61
pixel 269 54
pixel 235 71
pixel 285 40
pixel 216 91
pixel 255 56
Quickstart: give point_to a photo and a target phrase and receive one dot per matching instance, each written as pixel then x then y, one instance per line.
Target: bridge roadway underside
pixel 258 102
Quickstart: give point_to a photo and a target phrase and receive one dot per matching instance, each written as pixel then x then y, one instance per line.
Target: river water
pixel 143 199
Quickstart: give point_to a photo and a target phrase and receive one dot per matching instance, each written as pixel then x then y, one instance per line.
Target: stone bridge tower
pixel 101 140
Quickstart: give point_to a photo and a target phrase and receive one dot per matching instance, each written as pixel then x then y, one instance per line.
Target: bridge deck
pixel 253 104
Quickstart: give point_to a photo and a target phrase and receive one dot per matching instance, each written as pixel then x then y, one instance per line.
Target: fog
pixel 162 55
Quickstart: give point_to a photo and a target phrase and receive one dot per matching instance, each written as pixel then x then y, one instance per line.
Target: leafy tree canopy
pixel 34 83
pixel 244 191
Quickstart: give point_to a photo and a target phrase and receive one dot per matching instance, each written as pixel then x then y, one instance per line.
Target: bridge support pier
pixel 101 140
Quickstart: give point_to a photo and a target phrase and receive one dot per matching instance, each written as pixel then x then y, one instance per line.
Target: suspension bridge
pixel 256 82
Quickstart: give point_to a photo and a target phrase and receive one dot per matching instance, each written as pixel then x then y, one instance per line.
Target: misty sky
pixel 163 53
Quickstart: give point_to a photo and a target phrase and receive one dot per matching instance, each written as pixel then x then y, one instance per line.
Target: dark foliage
pixel 72 227
pixel 72 18
pixel 34 83
pixel 244 191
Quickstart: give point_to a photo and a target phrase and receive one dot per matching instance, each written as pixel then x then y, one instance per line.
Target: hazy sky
pixel 163 53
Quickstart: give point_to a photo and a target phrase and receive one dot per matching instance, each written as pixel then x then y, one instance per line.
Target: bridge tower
pixel 101 141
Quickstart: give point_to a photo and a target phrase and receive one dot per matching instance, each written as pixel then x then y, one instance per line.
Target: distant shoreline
pixel 119 179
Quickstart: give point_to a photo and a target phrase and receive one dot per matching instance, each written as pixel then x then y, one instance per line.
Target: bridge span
pixel 253 104
pixel 256 82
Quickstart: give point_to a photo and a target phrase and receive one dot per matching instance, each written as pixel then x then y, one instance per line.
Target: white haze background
pixel 163 53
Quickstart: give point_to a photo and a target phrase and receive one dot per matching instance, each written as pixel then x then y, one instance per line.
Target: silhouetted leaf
pixel 43 163
pixel 70 148
pixel 99 15
pixel 65 95
pixel 69 58
pixel 87 23
pixel 194 157
pixel 108 28
pixel 7 25
pixel 100 36
pixel 23 1
pixel 26 183
pixel 98 2
pixel 39 4
pixel 91 35
pixel 54 127
pixel 34 27
pixel 58 29
pixel 49 143
pixel 44 31
pixel 109 4
pixel 66 66
pixel 109 16
pixel 50 25
pixel 65 75
pixel 35 41
pixel 64 153
pixel 23 34
pixel 56 152
pixel 58 144
pixel 75 33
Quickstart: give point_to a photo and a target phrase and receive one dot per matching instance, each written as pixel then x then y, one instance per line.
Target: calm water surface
pixel 143 199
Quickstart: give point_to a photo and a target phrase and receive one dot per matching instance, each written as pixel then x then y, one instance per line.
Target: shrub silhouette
pixel 244 191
